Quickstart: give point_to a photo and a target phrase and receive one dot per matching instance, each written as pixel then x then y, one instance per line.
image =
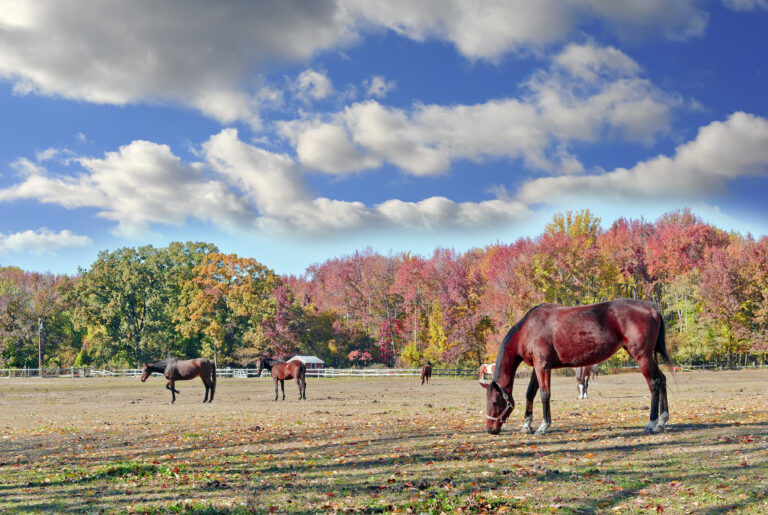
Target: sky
pixel 296 131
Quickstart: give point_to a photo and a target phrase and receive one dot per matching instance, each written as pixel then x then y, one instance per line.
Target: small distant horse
pixel 486 368
pixel 426 373
pixel 553 336
pixel 281 371
pixel 582 377
pixel 176 370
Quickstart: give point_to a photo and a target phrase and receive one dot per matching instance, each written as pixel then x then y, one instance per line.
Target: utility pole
pixel 40 347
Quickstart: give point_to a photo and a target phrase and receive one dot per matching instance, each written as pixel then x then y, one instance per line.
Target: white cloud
pixel 721 151
pixel 277 188
pixel 675 19
pixel 313 85
pixel 195 52
pixel 588 61
pixel 440 212
pixel 208 55
pixel 279 191
pixel 141 184
pixel 144 184
pixel 326 147
pixel 43 241
pixel 589 92
pixel 746 5
pixel 378 86
pixel 489 30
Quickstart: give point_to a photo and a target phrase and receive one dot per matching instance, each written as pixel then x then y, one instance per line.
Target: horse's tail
pixel 213 379
pixel 661 347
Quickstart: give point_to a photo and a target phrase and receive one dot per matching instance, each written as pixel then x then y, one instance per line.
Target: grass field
pixel 376 445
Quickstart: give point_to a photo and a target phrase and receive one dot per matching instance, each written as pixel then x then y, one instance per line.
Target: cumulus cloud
pixel 144 184
pixel 198 53
pixel 42 241
pixel 209 55
pixel 141 184
pixel 721 151
pixel 588 92
pixel 746 5
pixel 313 85
pixel 377 86
pixel 489 30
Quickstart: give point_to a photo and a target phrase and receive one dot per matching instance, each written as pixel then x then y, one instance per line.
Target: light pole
pixel 40 347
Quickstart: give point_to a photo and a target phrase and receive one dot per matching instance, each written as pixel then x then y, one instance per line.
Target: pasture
pixel 381 445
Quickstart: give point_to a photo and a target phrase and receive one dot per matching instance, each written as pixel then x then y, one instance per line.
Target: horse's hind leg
pixel 282 387
pixel 663 408
pixel 298 383
pixel 530 395
pixel 169 385
pixel 543 377
pixel 655 380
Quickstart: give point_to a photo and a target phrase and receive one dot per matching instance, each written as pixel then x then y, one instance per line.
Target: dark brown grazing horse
pixel 281 371
pixel 426 373
pixel 553 336
pixel 582 378
pixel 176 370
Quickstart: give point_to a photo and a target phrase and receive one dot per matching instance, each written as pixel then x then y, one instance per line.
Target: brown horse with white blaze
pixel 281 371
pixel 552 336
pixel 175 370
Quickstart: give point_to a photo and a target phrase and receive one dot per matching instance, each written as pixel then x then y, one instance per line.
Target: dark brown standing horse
pixel 281 371
pixel 176 370
pixel 552 336
pixel 582 378
pixel 426 373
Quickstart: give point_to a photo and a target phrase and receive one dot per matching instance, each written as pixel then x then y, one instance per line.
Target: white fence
pixel 236 372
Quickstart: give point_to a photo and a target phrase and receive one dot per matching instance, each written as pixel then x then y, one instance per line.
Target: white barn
pixel 311 362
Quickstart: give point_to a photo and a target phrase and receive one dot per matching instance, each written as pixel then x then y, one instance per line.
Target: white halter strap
pixel 506 398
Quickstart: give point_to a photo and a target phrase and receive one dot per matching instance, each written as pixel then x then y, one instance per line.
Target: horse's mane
pixel 506 340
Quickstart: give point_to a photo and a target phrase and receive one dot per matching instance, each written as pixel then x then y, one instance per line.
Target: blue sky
pixel 293 131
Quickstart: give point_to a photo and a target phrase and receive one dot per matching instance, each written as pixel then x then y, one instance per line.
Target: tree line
pixel 188 299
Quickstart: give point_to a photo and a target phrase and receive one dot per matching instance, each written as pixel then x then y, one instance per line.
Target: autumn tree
pixel 228 299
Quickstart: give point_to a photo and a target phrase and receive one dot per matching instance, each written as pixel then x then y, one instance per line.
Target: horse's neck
pixel 510 360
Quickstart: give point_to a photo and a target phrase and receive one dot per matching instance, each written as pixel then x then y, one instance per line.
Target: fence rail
pixel 323 372
pixel 235 372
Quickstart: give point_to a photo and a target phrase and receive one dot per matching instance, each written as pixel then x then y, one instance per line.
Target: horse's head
pixel 145 372
pixel 499 405
pixel 263 363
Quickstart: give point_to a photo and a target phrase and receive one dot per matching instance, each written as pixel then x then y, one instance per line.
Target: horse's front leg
pixel 530 395
pixel 282 387
pixel 276 388
pixel 543 377
pixel 586 387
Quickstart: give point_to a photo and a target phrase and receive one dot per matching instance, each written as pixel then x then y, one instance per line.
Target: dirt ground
pixel 380 445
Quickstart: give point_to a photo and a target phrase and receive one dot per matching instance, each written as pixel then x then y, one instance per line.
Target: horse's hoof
pixel 658 429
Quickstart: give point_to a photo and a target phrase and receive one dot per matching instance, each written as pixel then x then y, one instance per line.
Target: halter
pixel 510 405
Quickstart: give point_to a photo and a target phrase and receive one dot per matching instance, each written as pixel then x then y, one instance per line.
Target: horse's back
pixel 584 335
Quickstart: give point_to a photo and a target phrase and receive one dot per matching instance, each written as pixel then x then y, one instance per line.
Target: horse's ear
pixel 484 385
